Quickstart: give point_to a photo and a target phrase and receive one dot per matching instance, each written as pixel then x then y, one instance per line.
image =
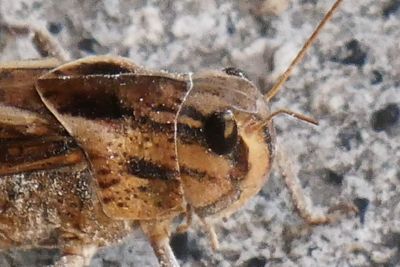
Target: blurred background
pixel 349 81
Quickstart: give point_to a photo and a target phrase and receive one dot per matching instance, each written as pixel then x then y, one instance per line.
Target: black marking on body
pixel 108 68
pixel 58 165
pixel 94 68
pixel 148 170
pixel 103 97
pixel 191 135
pixel 146 123
pixel 186 134
pixel 32 149
pixel 163 108
pixel 96 106
pixel 107 183
pixel 197 174
pixel 220 204
pixel 221 132
pixel 14 131
pixel 269 138
pixel 107 200
pixel 195 136
pixel 240 159
pixel 192 113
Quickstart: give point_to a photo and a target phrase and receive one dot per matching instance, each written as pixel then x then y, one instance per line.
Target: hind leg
pixel 158 233
pixel 44 42
pixel 76 256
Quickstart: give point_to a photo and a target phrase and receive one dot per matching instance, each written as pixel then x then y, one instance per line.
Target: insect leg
pixel 208 227
pixel 76 257
pixel 43 41
pixel 211 234
pixel 300 203
pixel 189 218
pixel 158 233
pixel 70 261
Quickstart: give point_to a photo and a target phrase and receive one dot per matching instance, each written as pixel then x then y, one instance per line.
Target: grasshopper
pixel 92 148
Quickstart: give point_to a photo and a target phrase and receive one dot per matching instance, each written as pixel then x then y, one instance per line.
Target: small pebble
pixel 273 7
pixel 376 77
pixel 333 177
pixel 354 54
pixel 259 261
pixel 386 117
pixel 54 27
pixel 390 8
pixel 362 205
pixel 88 45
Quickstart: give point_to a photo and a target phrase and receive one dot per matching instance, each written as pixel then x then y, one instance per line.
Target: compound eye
pixel 235 72
pixel 221 132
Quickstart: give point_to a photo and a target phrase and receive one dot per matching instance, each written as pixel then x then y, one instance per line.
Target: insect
pixel 92 148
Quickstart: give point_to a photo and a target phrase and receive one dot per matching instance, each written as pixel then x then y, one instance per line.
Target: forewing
pixel 45 181
pixel 123 118
pixel 30 137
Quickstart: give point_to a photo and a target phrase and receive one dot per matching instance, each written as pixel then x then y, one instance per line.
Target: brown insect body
pixel 92 148
pixel 98 141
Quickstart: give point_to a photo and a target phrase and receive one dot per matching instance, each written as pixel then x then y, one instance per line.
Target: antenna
pixel 282 79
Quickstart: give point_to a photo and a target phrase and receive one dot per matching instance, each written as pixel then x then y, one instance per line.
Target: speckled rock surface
pixel 350 82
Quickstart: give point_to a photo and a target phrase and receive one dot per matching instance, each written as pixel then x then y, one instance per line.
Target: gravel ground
pixel 349 82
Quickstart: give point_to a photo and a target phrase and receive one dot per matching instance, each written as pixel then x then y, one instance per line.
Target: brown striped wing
pixel 30 137
pixel 44 176
pixel 123 118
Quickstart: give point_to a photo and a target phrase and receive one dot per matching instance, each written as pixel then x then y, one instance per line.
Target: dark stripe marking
pixel 33 149
pixel 107 183
pixel 107 200
pixel 99 105
pixel 191 135
pixel 240 159
pixel 144 123
pixel 105 68
pixel 186 134
pixel 94 68
pixel 269 138
pixel 192 113
pixel 187 111
pixel 163 108
pixel 225 201
pixel 194 173
pixel 148 170
pixel 74 157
